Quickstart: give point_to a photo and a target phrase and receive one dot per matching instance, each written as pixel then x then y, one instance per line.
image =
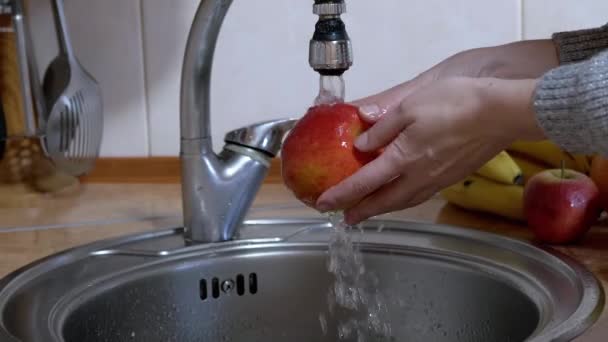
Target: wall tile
pixel 399 39
pixel 541 18
pixel 165 30
pixel 106 36
pixel 261 69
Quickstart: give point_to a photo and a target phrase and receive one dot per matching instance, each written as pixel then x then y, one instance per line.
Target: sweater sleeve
pixel 576 46
pixel 571 101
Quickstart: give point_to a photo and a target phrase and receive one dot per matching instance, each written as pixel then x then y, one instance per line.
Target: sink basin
pixel 442 284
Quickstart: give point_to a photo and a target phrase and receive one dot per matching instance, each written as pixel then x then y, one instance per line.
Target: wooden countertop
pixel 38 226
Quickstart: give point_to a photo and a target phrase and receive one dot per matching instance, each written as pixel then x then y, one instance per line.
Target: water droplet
pixel 323 322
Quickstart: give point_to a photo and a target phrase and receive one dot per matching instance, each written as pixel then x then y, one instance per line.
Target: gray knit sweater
pixel 571 101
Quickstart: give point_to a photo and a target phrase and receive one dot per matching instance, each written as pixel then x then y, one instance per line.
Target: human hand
pixel 433 138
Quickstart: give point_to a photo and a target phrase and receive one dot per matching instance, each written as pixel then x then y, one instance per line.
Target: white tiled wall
pixel 542 17
pixel 135 49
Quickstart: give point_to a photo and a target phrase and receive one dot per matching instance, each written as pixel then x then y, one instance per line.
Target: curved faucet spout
pixel 196 72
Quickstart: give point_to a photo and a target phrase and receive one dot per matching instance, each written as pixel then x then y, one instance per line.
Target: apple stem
pixel 563 167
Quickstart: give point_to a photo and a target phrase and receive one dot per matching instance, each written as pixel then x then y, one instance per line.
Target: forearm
pixel 533 58
pixel 571 105
pixel 519 60
pixel 527 59
pixel 508 110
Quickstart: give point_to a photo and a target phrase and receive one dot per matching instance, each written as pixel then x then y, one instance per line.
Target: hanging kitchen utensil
pixel 74 125
pixel 31 91
pixel 22 146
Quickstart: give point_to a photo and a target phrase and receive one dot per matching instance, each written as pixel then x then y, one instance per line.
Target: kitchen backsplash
pixel 134 48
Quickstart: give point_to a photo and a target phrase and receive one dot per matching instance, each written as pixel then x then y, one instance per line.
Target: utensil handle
pixel 35 83
pixel 21 38
pixel 65 45
pixel 3 131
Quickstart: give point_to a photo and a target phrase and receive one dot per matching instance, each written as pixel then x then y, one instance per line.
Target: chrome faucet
pixel 218 189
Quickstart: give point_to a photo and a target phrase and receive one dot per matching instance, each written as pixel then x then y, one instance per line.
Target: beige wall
pixel 135 47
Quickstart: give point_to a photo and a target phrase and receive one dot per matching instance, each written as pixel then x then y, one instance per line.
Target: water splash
pixel 354 290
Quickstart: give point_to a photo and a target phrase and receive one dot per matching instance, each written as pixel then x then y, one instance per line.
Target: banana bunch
pixel 498 186
pixel 502 169
pixel 480 194
pixel 549 153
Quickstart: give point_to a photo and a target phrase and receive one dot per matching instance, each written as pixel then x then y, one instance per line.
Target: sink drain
pixel 227 286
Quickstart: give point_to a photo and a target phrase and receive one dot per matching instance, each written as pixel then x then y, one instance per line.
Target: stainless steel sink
pixel 443 284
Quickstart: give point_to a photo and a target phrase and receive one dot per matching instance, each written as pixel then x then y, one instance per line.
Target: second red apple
pixel 561 206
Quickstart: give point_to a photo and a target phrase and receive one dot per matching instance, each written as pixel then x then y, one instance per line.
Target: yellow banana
pixel 502 169
pixel 529 167
pixel 480 194
pixel 583 164
pixel 545 151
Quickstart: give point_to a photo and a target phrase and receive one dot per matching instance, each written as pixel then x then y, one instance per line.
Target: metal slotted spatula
pixel 74 124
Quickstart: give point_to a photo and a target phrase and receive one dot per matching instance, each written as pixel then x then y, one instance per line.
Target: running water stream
pixel 331 90
pixel 354 295
pixel 354 302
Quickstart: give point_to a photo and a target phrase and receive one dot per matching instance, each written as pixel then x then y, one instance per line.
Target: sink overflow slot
pixel 227 286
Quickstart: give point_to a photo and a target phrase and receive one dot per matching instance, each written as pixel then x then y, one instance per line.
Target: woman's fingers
pixel 382 201
pixel 383 110
pixel 392 196
pixel 400 193
pixel 362 183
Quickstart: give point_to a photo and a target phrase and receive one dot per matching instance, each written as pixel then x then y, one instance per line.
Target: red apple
pixel 319 151
pixel 561 206
pixel 599 174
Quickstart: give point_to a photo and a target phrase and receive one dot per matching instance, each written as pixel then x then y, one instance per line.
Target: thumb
pixel 382 110
pixel 385 130
pixel 373 107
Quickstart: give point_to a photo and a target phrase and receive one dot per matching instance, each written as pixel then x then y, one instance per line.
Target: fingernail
pixel 371 111
pixel 361 141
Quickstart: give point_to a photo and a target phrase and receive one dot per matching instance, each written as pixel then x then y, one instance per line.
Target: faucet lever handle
pixel 264 136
